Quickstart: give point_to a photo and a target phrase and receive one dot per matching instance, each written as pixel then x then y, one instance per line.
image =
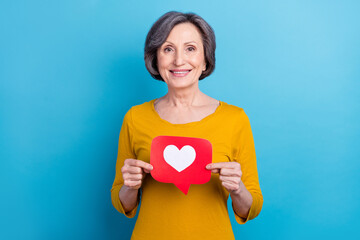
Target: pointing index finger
pixel 144 165
pixel 219 165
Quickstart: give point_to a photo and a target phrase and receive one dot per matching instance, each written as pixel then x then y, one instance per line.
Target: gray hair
pixel 161 30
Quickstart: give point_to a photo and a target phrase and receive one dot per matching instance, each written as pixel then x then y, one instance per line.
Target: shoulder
pixel 236 117
pixel 140 109
pixel 233 110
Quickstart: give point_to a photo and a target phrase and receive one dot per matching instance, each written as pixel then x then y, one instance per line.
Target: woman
pixel 180 50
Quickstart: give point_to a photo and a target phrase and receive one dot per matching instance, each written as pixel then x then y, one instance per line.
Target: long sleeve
pixel 247 159
pixel 125 150
pixel 203 212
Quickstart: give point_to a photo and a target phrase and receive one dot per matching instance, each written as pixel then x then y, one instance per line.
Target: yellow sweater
pixel 167 213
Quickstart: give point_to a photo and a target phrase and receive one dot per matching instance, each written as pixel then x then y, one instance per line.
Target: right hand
pixel 134 171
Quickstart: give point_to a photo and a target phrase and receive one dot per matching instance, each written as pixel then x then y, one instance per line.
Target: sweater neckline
pixel 212 115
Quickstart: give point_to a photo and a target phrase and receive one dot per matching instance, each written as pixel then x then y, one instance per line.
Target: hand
pixel 134 171
pixel 230 175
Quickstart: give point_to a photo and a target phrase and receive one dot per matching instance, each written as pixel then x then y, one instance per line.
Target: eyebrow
pixel 184 43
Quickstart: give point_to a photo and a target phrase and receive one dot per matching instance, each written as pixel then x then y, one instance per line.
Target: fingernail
pixel 208 166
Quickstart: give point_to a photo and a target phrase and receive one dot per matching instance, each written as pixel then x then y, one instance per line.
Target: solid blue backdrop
pixel 69 70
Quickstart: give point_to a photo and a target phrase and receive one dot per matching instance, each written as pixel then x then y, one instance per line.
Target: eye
pixel 167 49
pixel 191 49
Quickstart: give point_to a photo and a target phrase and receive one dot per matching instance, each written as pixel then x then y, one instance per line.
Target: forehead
pixel 184 32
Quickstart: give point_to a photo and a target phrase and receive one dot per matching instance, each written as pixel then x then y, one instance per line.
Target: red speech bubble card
pixel 180 160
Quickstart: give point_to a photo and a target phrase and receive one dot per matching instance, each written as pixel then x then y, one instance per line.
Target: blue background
pixel 69 70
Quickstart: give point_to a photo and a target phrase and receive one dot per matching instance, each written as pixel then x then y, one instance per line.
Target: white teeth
pixel 180 72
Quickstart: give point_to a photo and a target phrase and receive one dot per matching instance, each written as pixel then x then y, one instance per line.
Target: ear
pixel 204 67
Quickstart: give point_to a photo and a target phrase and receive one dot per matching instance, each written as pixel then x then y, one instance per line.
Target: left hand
pixel 230 175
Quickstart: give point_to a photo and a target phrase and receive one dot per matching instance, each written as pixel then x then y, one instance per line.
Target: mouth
pixel 180 72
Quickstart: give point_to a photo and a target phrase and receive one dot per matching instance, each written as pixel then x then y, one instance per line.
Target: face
pixel 181 57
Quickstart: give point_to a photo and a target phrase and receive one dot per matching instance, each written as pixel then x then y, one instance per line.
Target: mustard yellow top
pixel 167 213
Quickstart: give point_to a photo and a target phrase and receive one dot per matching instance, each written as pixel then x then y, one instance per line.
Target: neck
pixel 184 97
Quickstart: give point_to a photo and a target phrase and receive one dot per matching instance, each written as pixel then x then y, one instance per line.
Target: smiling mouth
pixel 179 72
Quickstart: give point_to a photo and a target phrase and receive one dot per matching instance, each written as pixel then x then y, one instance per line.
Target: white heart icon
pixel 179 159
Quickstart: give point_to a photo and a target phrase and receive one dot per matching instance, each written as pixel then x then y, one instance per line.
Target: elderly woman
pixel 180 50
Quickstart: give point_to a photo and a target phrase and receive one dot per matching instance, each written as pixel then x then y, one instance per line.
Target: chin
pixel 178 83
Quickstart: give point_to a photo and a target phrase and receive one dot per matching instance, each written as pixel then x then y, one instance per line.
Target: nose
pixel 179 59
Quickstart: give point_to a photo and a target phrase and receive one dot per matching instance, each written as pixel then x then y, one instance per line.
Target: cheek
pixel 200 62
pixel 162 61
pixel 199 58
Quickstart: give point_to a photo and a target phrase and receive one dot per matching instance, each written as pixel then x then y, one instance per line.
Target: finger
pixel 145 166
pixel 230 187
pixel 234 180
pixel 215 171
pixel 131 169
pixel 129 161
pixel 220 165
pixel 132 184
pixel 230 172
pixel 146 170
pixel 134 177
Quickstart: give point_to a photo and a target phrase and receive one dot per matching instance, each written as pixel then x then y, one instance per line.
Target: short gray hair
pixel 161 29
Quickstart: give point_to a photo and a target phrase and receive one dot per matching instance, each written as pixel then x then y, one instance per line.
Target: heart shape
pixel 179 159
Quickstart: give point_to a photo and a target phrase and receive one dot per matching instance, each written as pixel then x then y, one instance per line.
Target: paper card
pixel 180 160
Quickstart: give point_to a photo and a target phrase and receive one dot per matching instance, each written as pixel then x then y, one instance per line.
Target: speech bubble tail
pixel 183 187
